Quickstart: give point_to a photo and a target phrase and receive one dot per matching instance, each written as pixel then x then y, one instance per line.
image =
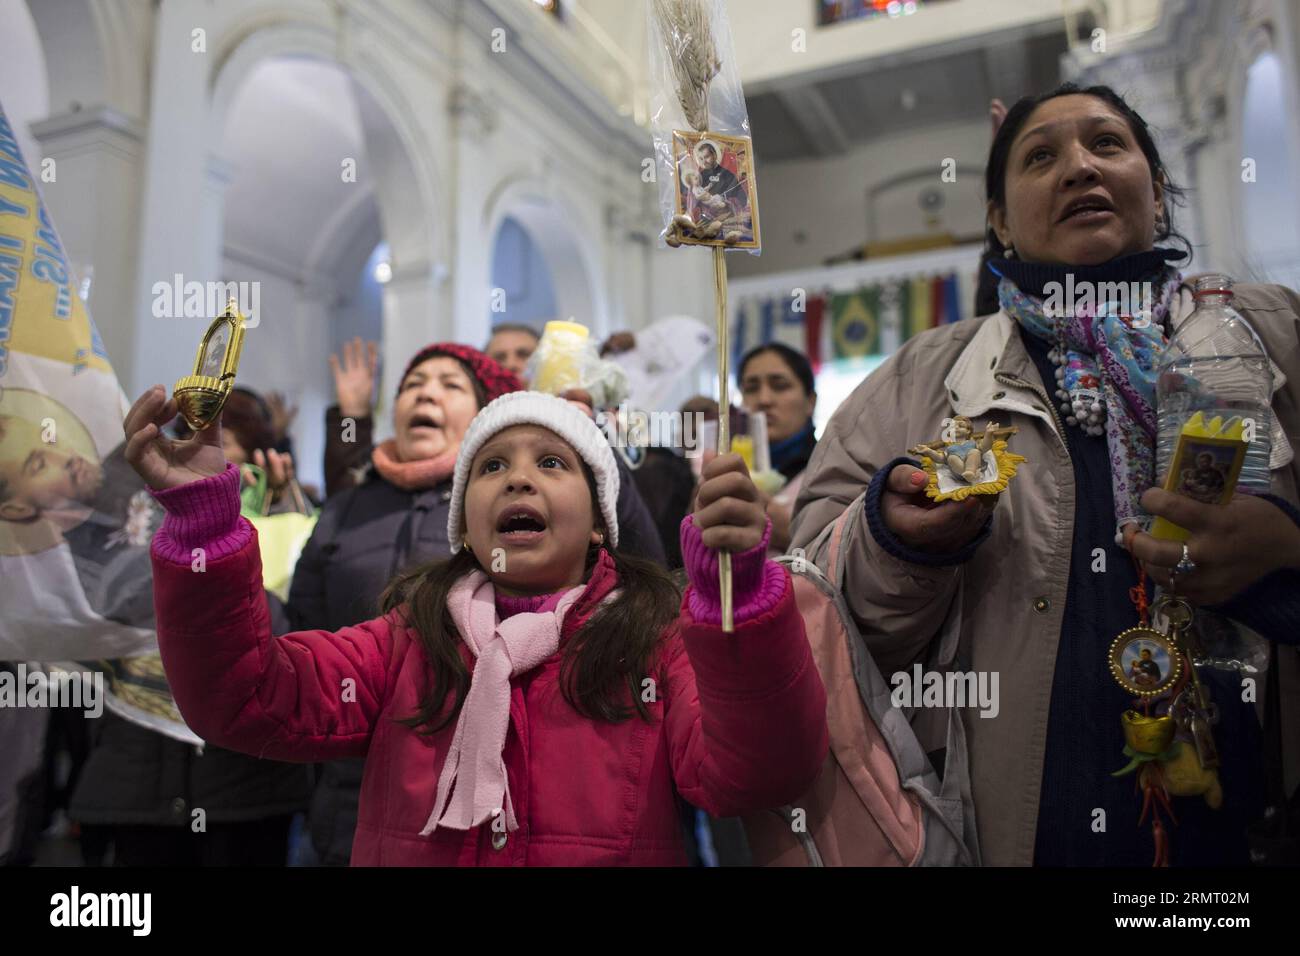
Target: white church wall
pixel 24 90
pixel 152 165
pixel 769 49
pixel 821 204
pixel 1188 76
pixel 460 135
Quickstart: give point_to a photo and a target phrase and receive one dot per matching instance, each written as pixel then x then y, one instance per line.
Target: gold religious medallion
pixel 1145 662
pixel 201 396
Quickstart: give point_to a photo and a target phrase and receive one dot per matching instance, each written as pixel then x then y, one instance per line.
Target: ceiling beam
pixel 1007 69
pixel 821 129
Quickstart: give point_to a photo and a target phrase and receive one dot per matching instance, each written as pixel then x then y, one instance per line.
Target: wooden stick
pixel 724 415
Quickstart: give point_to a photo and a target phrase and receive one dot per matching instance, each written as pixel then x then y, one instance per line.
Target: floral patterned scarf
pixel 1114 358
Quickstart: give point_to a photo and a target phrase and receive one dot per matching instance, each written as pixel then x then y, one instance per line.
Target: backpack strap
pixel 949 799
pixel 827 550
pixel 804 838
pixel 954 791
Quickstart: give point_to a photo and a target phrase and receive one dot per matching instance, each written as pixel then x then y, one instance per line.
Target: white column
pixel 1287 40
pixel 414 316
pixel 473 121
pixel 620 279
pixel 179 231
pixel 311 382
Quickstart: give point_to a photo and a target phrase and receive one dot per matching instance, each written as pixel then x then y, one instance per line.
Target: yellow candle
pixel 562 344
pixel 743 445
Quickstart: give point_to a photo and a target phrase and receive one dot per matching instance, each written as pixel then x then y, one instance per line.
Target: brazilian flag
pixel 855 323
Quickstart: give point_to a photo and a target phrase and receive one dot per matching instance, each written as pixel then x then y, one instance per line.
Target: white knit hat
pixel 555 414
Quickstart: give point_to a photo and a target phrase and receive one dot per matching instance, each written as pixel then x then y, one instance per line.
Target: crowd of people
pixel 502 642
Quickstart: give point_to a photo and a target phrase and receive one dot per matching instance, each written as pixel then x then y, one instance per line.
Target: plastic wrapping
pixel 749 441
pixel 704 156
pixel 566 360
pixel 666 354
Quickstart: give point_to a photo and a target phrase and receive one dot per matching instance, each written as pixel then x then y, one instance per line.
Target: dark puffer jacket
pixel 137 776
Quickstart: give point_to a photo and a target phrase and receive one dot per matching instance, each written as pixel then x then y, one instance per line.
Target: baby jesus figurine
pixel 963 458
pixel 963 455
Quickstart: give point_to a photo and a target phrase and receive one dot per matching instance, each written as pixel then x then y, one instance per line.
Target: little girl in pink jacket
pixel 532 701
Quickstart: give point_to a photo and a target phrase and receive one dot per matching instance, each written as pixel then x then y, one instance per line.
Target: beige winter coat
pixel 1010 597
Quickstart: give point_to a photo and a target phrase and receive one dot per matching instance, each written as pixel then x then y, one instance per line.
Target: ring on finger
pixel 1186 565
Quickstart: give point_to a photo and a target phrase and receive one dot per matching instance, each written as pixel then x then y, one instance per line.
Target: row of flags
pixel 874 319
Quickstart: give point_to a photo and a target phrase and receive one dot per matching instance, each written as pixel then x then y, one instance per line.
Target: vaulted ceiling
pixel 809 115
pixel 288 132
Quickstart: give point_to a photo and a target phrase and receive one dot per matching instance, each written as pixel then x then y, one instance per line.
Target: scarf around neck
pixel 790 455
pixel 1109 355
pixel 412 475
pixel 502 649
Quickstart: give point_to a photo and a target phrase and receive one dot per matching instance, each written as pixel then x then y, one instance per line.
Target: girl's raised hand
pixel 728 509
pixel 163 462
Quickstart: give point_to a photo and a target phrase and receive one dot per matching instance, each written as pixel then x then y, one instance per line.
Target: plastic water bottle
pixel 1216 364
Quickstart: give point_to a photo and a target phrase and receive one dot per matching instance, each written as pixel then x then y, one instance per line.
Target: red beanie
pixel 495 379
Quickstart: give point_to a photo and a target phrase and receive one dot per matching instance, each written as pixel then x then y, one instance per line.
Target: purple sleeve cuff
pixel 204 515
pixel 757 584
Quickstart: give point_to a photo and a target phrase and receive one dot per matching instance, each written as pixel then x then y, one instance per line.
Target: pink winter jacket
pixel 740 725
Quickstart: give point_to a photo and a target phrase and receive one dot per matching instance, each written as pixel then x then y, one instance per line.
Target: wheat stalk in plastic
pixel 685 25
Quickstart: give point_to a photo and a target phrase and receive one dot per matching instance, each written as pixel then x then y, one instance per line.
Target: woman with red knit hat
pixel 395 517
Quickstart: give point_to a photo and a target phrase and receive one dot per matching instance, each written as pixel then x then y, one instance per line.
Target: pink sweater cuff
pixel 201 515
pixel 757 584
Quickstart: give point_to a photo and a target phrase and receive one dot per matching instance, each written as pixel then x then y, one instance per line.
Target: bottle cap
pixel 1213 284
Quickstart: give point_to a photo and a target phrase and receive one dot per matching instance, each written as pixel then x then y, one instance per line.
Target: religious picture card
pixel 716 189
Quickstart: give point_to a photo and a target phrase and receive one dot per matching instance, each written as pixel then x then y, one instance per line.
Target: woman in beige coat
pixel 1037 580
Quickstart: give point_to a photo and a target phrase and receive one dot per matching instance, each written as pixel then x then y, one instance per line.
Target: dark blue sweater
pixel 1084 739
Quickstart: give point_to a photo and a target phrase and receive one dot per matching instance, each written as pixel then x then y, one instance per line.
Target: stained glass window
pixel 837 11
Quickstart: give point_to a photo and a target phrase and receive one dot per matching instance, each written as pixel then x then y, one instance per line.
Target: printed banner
pixel 75 520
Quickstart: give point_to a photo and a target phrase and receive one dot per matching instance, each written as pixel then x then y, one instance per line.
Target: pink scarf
pixel 501 650
pixel 413 475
